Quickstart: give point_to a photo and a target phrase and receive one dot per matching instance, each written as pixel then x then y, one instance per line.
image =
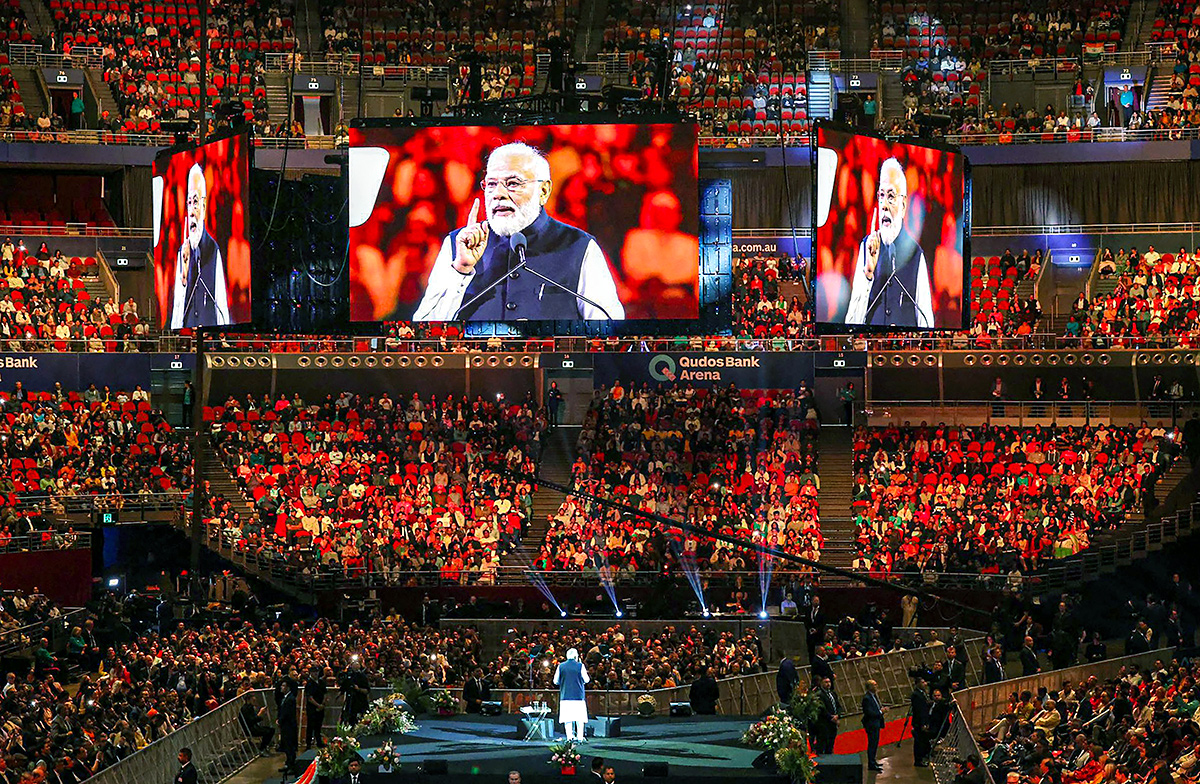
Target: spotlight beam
pixel 745 545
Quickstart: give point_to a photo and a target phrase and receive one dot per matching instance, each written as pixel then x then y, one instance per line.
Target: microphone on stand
pixel 516 242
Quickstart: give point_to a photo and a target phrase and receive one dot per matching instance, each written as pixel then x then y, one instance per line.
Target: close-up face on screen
pixel 201 245
pixel 554 222
pixel 889 234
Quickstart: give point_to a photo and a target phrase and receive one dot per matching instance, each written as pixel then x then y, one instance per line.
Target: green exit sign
pixel 108 518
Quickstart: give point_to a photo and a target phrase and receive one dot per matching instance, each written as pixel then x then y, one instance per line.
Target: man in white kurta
pixel 570 678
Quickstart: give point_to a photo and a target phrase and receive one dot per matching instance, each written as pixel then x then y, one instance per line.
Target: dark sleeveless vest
pixel 199 305
pixel 897 306
pixel 555 250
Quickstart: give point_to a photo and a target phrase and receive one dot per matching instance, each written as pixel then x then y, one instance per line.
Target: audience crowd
pixel 995 499
pixel 1156 296
pixel 352 484
pixel 743 463
pixel 100 446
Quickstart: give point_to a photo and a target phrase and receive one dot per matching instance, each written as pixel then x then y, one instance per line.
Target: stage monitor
pixel 523 223
pixel 201 245
pixel 891 228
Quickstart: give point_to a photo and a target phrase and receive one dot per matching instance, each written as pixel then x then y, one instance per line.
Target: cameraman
pixel 919 710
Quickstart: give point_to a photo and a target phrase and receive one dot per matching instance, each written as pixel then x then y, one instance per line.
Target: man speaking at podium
pixel 515 262
pixel 201 298
pixel 570 678
pixel 891 278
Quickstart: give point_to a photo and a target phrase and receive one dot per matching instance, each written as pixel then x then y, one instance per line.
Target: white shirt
pixel 444 292
pixel 860 292
pixel 220 295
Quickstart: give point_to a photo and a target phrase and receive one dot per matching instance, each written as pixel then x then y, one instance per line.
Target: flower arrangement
pixel 444 701
pixel 386 757
pixel 334 760
pixel 647 705
pixel 774 732
pixel 796 762
pixel 386 716
pixel 804 707
pixel 565 754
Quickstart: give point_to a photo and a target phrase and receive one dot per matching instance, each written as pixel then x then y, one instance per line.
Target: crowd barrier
pixel 745 695
pixel 974 710
pixel 219 742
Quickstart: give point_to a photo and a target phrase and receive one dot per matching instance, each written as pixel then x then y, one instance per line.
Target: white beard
pixel 195 234
pixel 889 233
pixel 508 225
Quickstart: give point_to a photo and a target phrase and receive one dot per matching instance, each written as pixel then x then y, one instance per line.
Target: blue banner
pixel 38 371
pixel 747 370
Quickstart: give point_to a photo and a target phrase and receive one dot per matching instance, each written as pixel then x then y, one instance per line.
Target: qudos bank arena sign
pixel 767 370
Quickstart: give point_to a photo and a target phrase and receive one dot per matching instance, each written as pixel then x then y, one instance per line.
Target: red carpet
pixel 855 741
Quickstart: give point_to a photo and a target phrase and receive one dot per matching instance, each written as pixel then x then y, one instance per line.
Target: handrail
pixel 49 539
pixel 22 638
pixel 73 230
pixel 106 275
pixel 220 744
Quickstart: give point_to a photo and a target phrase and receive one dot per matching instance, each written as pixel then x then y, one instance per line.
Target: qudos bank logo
pixel 662 368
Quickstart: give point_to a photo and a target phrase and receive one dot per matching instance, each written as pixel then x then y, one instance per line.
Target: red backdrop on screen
pixel 633 187
pixel 226 166
pixel 934 218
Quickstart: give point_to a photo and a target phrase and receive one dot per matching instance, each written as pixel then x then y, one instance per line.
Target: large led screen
pixel 891 228
pixel 201 246
pixel 538 223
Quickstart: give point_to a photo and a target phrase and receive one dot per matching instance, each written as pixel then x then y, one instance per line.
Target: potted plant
pixel 646 705
pixel 565 754
pixel 386 757
pixel 333 761
pixel 776 730
pixel 386 716
pixel 445 703
pixel 796 762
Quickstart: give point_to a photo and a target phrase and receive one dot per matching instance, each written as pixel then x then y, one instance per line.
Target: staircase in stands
pixel 558 454
pixel 835 446
pixel 820 94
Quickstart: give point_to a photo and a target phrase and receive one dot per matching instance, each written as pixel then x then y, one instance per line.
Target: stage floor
pixel 707 748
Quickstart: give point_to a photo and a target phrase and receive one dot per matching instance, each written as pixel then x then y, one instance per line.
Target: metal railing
pixel 1033 66
pixel 36 56
pixel 56 631
pixel 744 695
pixel 982 704
pixel 49 539
pixel 974 710
pixel 220 746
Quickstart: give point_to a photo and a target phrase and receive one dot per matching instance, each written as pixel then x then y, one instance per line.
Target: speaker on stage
pixel 681 709
pixel 433 767
pixel 656 770
pixel 492 708
pixel 604 727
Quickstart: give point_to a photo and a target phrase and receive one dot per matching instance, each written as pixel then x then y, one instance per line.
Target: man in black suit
pixel 820 666
pixel 956 670
pixel 814 621
pixel 289 728
pixel 704 694
pixel 872 721
pixel 353 773
pixel 919 710
pixel 187 771
pixel 357 690
pixel 1029 659
pixel 993 666
pixel 314 707
pixel 829 711
pixel 476 692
